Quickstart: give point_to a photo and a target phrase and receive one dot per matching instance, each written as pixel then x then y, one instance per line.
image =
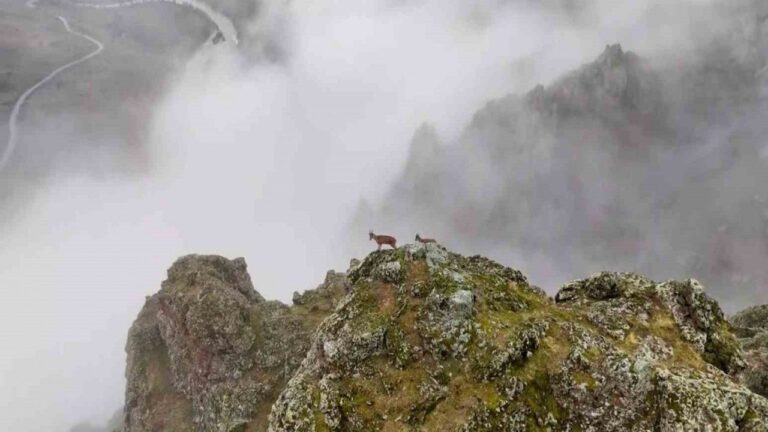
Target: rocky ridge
pixel 420 338
pixel 751 326
pixel 207 352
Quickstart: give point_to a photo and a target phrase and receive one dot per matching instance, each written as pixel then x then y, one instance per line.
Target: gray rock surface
pixel 751 326
pixel 208 353
pixel 420 338
pixel 466 344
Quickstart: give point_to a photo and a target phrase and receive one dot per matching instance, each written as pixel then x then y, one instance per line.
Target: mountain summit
pixel 420 338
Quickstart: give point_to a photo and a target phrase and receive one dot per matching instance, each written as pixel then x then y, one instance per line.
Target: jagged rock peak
pixel 613 86
pixel 208 353
pixel 192 269
pixel 326 294
pixel 423 151
pixel 698 317
pixel 425 137
pixel 421 338
pixel 431 340
pixel 614 56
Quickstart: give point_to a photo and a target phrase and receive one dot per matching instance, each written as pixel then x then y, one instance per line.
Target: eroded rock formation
pixel 209 353
pixel 752 329
pixel 420 338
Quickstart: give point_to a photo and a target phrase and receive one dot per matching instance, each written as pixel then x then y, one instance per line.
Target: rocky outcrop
pixel 752 329
pixel 431 340
pixel 209 353
pixel 420 338
pixel 616 84
pixel 697 316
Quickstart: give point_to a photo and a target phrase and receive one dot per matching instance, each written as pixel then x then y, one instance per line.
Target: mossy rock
pixel 469 344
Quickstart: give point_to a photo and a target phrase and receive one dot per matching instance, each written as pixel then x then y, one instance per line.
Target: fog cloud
pixel 266 154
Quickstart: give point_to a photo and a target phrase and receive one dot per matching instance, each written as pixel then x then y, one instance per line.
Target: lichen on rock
pixel 751 326
pixel 208 353
pixel 421 338
pixel 466 344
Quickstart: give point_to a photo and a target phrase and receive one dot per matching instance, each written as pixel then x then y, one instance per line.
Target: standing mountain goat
pixel 424 240
pixel 382 240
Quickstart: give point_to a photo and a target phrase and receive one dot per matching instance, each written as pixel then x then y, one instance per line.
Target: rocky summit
pixel 209 353
pixel 420 338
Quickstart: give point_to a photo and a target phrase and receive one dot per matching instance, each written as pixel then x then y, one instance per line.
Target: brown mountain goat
pixel 424 240
pixel 382 240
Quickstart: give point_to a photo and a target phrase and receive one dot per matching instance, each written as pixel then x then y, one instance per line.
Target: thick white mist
pixel 269 161
pixel 265 162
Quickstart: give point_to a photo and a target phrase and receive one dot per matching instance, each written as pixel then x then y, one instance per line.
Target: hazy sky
pixel 267 159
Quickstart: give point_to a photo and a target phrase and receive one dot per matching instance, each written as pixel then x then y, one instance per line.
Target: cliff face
pixel 209 353
pixel 419 338
pixel 752 329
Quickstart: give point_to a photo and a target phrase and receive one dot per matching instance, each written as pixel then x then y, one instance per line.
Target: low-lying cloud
pixel 268 159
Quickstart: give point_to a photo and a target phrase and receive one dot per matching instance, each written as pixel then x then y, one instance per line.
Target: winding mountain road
pixel 12 122
pixel 224 24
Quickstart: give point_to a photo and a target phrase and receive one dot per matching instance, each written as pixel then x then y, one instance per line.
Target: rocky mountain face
pixel 614 165
pixel 752 329
pixel 421 338
pixel 207 352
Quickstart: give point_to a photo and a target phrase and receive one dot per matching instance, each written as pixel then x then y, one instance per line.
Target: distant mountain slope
pixel 642 164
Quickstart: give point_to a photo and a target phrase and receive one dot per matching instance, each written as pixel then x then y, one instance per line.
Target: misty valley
pixel 383 215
